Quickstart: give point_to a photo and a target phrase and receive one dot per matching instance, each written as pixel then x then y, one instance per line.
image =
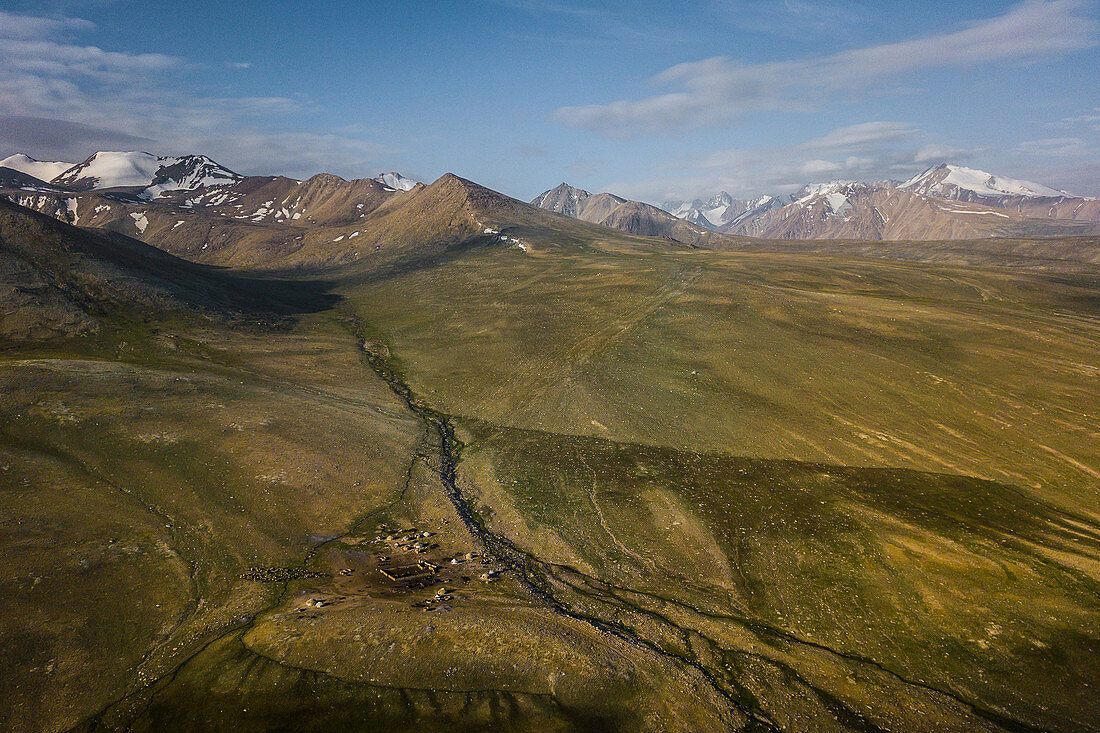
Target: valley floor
pixel 593 488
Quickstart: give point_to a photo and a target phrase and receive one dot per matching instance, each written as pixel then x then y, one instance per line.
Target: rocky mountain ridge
pixel 943 201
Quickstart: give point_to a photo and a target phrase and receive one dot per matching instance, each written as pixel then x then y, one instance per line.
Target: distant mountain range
pixel 145 175
pixel 142 174
pixel 613 211
pixel 721 210
pixel 943 202
pixel 197 209
pixel 194 207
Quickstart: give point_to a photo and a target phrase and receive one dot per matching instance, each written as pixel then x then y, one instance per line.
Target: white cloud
pixel 1092 120
pixel 867 151
pixel 852 141
pixel 41 46
pixel 13 25
pixel 546 6
pixel 864 134
pixel 718 90
pixel 59 58
pixel 936 153
pixel 1057 146
pixel 255 151
pixel 82 95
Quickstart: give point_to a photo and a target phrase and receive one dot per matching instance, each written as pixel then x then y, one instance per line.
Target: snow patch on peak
pixel 710 213
pixel 111 169
pixel 714 215
pixel 41 169
pixel 395 181
pixel 140 221
pixel 812 191
pixel 759 206
pixel 679 209
pixel 155 175
pixel 187 174
pixel 833 195
pixel 955 181
pixel 838 203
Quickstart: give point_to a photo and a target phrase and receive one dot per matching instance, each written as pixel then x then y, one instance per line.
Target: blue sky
pixel 649 100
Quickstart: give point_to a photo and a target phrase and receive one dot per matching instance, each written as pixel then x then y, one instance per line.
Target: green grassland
pixel 981 372
pixel 139 488
pixel 905 581
pixel 682 489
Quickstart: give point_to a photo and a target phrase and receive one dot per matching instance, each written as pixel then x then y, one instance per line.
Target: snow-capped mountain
pixel 711 213
pixel 943 201
pixel 833 195
pixel 845 209
pixel 40 169
pixel 187 174
pixel 146 196
pixel 154 175
pixel 886 211
pixel 967 184
pixel 724 213
pixel 755 208
pixel 395 181
pixel 818 209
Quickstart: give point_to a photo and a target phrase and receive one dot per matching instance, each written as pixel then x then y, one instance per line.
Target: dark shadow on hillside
pixel 407 263
pixel 755 490
pixel 240 292
pixel 45 261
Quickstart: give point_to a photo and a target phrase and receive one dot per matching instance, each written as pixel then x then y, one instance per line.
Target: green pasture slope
pixel 683 489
